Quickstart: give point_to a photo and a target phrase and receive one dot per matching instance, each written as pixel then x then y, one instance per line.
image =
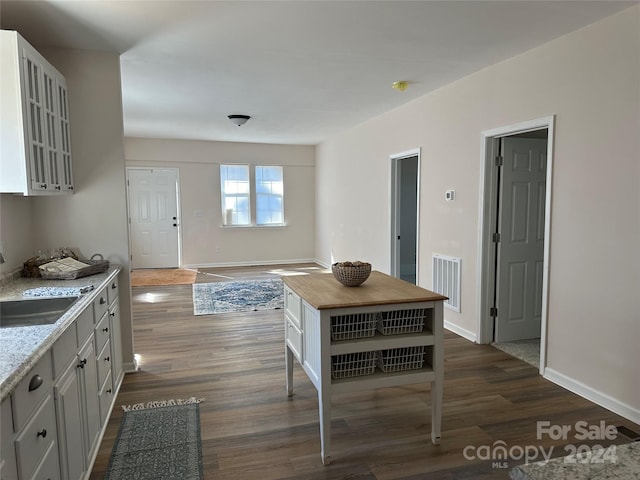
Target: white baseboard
pixel 463 332
pixel 322 263
pixel 130 367
pixel 595 396
pixel 252 263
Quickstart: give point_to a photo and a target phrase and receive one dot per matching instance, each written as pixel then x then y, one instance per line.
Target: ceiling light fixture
pixel 401 86
pixel 239 120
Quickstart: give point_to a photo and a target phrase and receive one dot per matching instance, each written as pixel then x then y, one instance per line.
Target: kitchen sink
pixel 38 311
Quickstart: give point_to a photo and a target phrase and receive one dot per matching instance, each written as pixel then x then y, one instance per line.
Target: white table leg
pixel 438 370
pixel 324 410
pixel 288 356
pixel 436 412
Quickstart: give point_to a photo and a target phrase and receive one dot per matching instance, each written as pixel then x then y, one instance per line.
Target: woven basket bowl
pixel 351 276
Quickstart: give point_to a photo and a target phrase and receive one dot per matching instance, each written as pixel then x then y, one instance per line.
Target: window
pixel 234 185
pixel 239 186
pixel 269 193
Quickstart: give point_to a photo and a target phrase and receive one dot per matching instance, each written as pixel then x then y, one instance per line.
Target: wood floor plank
pixel 251 430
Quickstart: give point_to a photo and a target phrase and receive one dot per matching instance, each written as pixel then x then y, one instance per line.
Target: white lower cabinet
pixel 78 412
pixel 69 418
pixel 54 419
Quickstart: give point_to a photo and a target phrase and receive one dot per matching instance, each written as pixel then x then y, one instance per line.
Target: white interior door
pixel 153 217
pixel 521 224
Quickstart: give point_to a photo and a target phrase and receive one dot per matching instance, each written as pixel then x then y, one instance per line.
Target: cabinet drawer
pixel 106 399
pixel 64 350
pixel 84 325
pixel 294 339
pixel 100 304
pixel 49 469
pixel 31 390
pixel 36 438
pixel 104 363
pixel 102 332
pixel 292 306
pixel 113 290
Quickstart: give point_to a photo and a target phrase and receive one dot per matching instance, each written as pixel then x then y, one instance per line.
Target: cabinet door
pixel 90 400
pixel 33 84
pixel 51 133
pixel 37 437
pixel 49 468
pixel 8 469
pixel 116 343
pixel 66 175
pixel 69 418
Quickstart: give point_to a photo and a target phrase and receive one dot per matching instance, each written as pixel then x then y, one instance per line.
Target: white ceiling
pixel 304 70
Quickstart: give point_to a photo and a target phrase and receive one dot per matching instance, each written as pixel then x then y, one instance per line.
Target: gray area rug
pixel 238 296
pixel 160 443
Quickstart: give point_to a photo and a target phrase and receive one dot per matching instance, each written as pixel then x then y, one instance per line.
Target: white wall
pixel 591 81
pixel 16 235
pixel 205 242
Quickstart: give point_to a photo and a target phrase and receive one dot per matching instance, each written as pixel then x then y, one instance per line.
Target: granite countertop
pixel 22 347
pixel 619 463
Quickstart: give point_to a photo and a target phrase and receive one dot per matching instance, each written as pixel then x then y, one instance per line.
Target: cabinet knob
pixel 108 390
pixel 43 185
pixel 71 187
pixel 106 359
pixel 58 187
pixel 112 314
pixel 102 301
pixel 82 363
pixel 42 433
pixel 35 383
pixel 114 285
pixel 105 329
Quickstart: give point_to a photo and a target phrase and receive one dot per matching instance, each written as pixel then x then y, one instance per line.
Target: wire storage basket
pixel 353 325
pixel 401 321
pixel 401 359
pixel 353 364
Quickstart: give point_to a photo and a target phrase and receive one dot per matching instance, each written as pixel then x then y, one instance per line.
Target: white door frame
pixel 487 223
pixel 394 217
pixel 178 207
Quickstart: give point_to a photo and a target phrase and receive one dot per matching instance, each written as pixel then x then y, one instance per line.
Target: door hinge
pixel 496 238
pixel 493 312
pixel 499 161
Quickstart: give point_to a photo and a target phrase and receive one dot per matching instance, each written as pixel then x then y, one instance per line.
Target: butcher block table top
pixel 323 291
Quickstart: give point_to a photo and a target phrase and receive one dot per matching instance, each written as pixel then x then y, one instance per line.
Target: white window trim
pixel 252 198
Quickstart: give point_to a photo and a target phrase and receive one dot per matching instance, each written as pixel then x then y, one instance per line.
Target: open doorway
pixel 515 239
pixel 405 201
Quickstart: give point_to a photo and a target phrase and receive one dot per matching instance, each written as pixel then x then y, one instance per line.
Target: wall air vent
pixel 445 279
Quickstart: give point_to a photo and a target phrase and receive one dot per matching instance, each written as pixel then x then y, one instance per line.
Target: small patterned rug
pixel 238 296
pixel 158 443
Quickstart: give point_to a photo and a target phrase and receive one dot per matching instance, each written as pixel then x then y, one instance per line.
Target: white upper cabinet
pixel 35 149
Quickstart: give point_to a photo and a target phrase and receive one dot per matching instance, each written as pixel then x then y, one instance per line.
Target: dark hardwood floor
pixel 252 430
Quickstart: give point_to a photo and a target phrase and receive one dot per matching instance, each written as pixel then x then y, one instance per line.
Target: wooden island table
pixel 384 333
